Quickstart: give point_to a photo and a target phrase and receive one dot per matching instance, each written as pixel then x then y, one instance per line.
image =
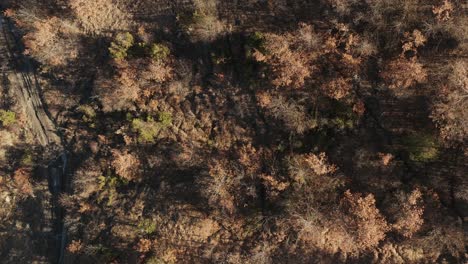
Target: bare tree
pixel 450 111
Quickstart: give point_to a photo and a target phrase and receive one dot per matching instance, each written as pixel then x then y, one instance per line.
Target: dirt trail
pixel 24 86
pixel 21 76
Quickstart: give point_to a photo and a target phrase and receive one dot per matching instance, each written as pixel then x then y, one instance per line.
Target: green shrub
pixel 112 182
pixel 89 114
pixel 7 117
pixel 159 52
pixel 149 129
pixel 421 147
pixel 255 41
pixel 108 187
pixel 165 118
pixel 147 226
pixel 87 111
pixel 27 158
pixel 120 46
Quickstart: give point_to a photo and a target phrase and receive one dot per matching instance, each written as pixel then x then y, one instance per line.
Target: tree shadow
pixel 34 213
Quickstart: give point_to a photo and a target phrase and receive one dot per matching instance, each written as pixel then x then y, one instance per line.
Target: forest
pixel 234 131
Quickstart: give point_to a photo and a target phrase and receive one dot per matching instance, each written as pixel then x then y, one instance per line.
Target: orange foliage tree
pixel 403 73
pixel 126 164
pixel 23 182
pixel 322 219
pixel 132 79
pixel 52 41
pixel 409 214
pixel 367 226
pixel 290 56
